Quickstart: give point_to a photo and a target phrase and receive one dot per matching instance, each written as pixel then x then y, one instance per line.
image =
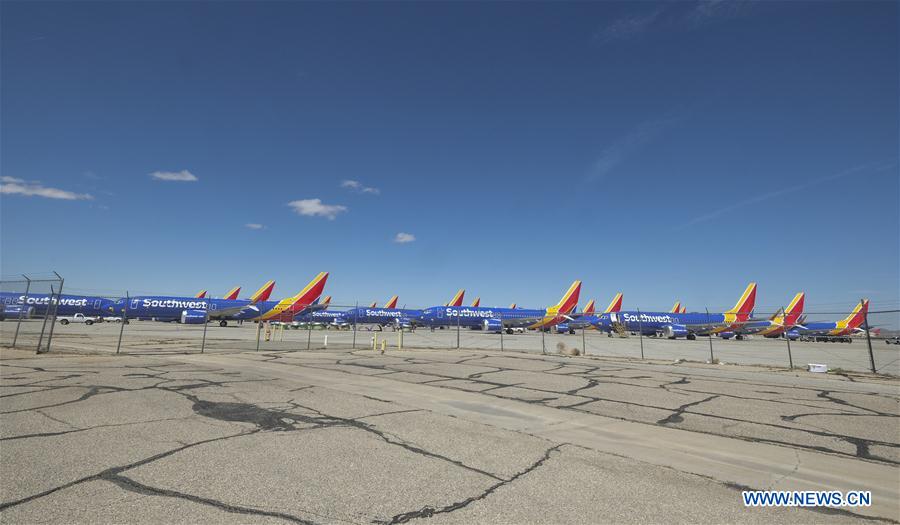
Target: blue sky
pixel 669 150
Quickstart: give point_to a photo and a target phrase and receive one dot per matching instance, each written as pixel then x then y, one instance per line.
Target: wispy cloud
pixel 254 226
pixel 403 238
pixel 672 16
pixel 14 186
pixel 358 187
pixel 620 149
pixel 627 26
pixel 174 176
pixel 315 208
pixel 777 193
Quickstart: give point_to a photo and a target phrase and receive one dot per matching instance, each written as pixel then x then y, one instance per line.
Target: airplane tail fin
pixel 201 294
pixel 615 305
pixel 391 303
pixel 676 308
pixel 777 314
pixel 476 303
pixel 512 306
pixel 326 301
pixel 263 293
pixel 458 298
pixel 683 309
pixel 794 310
pixel 311 292
pixel 744 307
pixel 232 294
pixel 374 304
pixel 589 308
pixel 570 299
pixel 858 315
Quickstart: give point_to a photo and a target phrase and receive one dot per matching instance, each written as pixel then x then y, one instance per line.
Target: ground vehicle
pixel 79 318
pixel 892 340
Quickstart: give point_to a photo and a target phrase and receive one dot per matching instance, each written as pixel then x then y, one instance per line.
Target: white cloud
pixel 620 149
pixel 176 176
pixel 404 238
pixel 315 208
pixel 673 16
pixel 358 187
pixel 14 186
pixel 628 27
pixel 254 226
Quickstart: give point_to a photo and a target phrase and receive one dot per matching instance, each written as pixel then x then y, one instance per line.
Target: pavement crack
pixel 429 511
pixel 675 417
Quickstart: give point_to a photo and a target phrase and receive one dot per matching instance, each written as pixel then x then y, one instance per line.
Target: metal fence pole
pixel 205 324
pixel 23 309
pixel 788 341
pixel 55 309
pixel 543 344
pixel 355 313
pixel 258 330
pixel 44 324
pixel 457 329
pixel 308 333
pixel 501 333
pixel 123 321
pixel 640 331
pixel 709 335
pixel 583 343
pixel 868 337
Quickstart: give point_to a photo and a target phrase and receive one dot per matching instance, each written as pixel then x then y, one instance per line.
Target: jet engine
pixel 493 325
pixel 193 316
pixel 673 331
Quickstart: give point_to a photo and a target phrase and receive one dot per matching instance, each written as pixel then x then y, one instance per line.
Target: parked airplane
pixel 845 327
pixel 587 318
pixel 17 304
pixel 688 325
pixel 192 310
pixel 497 319
pixel 775 326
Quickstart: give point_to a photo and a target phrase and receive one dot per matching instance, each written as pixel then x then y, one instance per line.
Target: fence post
pixel 123 321
pixel 23 309
pixel 355 313
pixel 457 329
pixel 583 343
pixel 543 344
pixel 709 335
pixel 862 303
pixel 640 331
pixel 308 333
pixel 788 340
pixel 258 330
pixel 501 332
pixel 205 324
pixel 44 324
pixel 55 309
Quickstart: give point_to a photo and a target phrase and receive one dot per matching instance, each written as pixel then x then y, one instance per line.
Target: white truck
pixel 78 318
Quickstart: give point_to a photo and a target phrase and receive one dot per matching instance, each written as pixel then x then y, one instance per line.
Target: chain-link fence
pixel 28 310
pixel 37 314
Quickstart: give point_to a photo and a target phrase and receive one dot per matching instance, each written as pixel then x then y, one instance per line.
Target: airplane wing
pixel 235 310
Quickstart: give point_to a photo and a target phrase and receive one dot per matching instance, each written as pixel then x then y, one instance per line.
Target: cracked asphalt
pixel 432 436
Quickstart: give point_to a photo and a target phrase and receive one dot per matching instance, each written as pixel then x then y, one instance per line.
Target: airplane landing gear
pixel 223 322
pixel 691 337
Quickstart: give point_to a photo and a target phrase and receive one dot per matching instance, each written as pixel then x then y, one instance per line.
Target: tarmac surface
pixel 433 436
pixel 148 337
